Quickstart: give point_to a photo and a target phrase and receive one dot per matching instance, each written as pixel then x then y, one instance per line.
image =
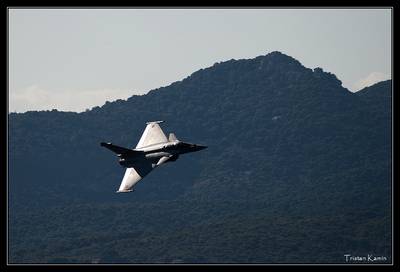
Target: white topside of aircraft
pixel 152 150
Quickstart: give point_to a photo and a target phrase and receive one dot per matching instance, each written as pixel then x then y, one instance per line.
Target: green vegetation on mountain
pixel 297 170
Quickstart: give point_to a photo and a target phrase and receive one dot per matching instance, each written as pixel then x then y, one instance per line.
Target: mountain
pixel 297 170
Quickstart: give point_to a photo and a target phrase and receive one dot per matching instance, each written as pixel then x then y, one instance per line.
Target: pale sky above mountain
pixel 74 59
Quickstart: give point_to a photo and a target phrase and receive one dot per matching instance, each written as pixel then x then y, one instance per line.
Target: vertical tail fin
pixel 172 137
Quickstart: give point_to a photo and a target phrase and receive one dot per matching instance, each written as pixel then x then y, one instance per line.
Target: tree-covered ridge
pixel 286 144
pixel 102 233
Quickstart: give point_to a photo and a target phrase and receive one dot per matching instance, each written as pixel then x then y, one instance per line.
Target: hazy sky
pixel 74 59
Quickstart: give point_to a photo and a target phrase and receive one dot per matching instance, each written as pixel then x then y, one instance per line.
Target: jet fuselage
pixel 152 150
pixel 157 151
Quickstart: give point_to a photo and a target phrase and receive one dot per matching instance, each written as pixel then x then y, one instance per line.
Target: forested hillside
pixel 297 170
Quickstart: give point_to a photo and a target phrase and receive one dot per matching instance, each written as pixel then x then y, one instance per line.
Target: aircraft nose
pixel 201 147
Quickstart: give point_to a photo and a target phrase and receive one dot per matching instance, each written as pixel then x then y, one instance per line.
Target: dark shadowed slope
pixel 298 169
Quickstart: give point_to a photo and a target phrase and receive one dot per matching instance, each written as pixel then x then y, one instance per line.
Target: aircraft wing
pixel 133 175
pixel 152 134
pixel 120 150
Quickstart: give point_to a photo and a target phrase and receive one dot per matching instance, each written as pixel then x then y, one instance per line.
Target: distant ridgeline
pixel 297 170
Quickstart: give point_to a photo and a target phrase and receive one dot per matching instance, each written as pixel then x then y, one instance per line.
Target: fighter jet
pixel 152 150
